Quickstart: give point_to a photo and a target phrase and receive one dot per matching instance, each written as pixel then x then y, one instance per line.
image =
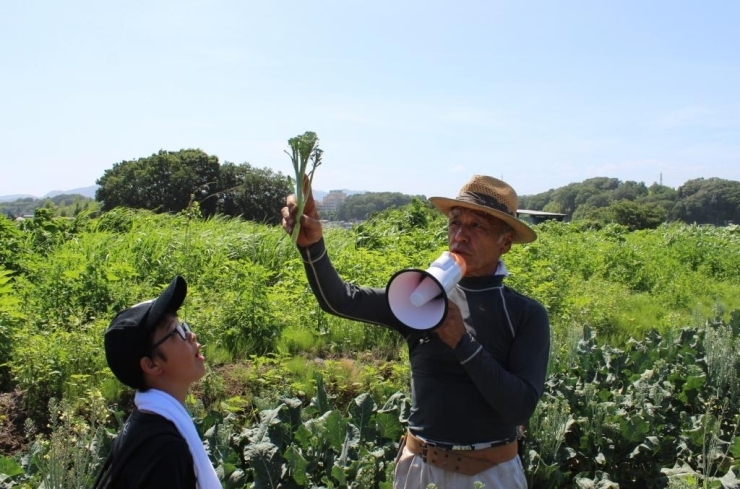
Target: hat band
pixel 484 200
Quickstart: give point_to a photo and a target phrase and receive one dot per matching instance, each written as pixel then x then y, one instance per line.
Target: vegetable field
pixel 643 387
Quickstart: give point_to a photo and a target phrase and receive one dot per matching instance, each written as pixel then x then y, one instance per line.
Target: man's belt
pixel 468 462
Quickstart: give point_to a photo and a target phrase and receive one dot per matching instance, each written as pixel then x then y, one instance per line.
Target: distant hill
pixel 14 197
pixel 84 191
pixel 90 192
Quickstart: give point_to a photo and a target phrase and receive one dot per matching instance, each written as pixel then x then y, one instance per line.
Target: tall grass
pixel 248 294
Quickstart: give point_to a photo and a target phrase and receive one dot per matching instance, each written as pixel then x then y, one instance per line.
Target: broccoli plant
pixel 304 150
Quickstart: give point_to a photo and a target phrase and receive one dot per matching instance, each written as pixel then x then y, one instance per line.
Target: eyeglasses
pixel 182 329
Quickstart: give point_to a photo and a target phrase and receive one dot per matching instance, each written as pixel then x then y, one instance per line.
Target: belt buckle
pixel 425 445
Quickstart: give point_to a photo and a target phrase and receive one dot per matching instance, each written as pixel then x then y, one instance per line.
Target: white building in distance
pixel 333 200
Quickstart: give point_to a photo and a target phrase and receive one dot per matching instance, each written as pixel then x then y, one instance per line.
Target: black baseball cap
pixel 128 337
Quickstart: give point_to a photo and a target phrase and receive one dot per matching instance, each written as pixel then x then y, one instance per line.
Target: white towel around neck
pixel 165 405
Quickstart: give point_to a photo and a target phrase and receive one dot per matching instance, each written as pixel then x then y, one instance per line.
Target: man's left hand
pixel 453 328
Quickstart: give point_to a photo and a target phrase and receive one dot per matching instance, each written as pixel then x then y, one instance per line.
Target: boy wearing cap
pixel 150 350
pixel 478 376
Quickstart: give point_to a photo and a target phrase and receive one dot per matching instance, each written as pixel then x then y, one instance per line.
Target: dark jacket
pixel 149 452
pixel 483 389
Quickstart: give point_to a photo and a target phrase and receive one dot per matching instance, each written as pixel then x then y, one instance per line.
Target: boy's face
pixel 180 359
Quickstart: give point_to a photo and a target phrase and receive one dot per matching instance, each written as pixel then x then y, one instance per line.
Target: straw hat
pixel 492 196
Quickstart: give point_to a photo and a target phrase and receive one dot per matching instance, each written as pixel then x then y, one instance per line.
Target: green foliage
pixel 625 415
pixel 708 201
pixel 609 200
pixel 320 446
pixel 12 245
pixel 10 317
pixel 663 196
pixel 670 274
pixel 633 215
pixel 251 193
pixel 659 392
pixel 187 180
pixel 63 205
pixel 68 458
pixel 304 150
pixel 362 206
pixel 51 362
pixel 246 323
pixel 45 231
pixel 118 220
pixel 408 229
pixel 166 181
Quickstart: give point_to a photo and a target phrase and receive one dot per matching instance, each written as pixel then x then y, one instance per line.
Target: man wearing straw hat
pixel 479 375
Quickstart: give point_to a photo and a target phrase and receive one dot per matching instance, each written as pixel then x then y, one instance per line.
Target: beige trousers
pixel 413 473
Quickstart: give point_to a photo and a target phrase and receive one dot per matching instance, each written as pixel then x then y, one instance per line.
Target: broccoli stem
pixel 304 150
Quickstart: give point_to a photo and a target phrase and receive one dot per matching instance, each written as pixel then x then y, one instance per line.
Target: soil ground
pixel 12 418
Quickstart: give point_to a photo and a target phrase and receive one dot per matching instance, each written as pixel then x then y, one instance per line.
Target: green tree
pixel 64 205
pixel 625 212
pixel 165 182
pixel 361 206
pixel 638 216
pixel 564 199
pixel 11 245
pixel 252 193
pixel 591 198
pixel 630 190
pixel 665 197
pixel 535 202
pixel 708 201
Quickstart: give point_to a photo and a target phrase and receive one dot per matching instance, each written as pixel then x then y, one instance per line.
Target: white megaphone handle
pixel 448 269
pixel 424 292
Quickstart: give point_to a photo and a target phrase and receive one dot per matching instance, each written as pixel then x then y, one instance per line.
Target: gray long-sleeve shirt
pixel 479 391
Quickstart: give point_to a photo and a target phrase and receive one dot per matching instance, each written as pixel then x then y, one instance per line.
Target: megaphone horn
pixel 418 298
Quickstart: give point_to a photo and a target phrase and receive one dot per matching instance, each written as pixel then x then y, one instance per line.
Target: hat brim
pixel 522 232
pixel 169 301
pixel 127 339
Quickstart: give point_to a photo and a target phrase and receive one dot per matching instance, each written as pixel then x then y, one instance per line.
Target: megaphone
pixel 418 298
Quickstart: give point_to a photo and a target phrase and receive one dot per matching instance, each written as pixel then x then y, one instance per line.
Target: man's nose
pixel 460 234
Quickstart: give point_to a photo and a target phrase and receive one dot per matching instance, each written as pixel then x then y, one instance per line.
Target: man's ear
pixel 150 366
pixel 506 241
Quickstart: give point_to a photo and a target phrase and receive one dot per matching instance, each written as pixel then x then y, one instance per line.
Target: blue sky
pixel 411 97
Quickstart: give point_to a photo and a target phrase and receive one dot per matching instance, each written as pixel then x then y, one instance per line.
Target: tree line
pixel 603 200
pixel 359 207
pixel 173 181
pixel 63 205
